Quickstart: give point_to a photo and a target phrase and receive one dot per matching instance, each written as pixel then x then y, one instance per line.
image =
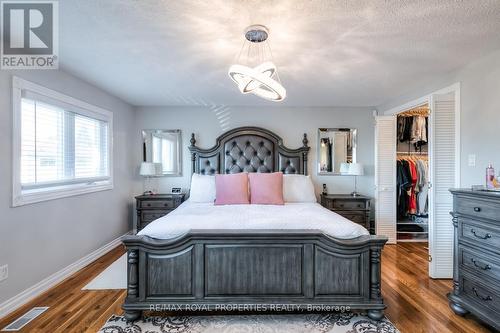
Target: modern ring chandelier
pixel 253 71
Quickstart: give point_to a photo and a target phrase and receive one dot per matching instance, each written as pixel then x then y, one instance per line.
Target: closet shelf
pixel 412 223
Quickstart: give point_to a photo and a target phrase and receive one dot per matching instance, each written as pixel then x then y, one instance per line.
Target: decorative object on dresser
pixel 152 207
pixel 356 169
pixel 149 170
pixel 356 209
pixel 476 265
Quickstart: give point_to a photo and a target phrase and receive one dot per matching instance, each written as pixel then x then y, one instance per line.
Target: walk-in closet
pixel 417 161
pixel 412 175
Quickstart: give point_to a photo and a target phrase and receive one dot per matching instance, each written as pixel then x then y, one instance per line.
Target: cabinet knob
pixel 477 209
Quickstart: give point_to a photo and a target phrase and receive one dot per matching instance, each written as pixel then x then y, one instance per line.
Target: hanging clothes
pixel 423 188
pixel 419 130
pixel 412 187
pixel 412 198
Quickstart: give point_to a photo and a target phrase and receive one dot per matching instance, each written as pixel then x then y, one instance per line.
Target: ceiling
pixel 328 53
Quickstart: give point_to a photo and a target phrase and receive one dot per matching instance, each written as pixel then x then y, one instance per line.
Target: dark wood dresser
pixel 152 207
pixel 356 209
pixel 476 267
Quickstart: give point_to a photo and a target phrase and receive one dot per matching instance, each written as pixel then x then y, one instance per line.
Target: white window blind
pixel 61 145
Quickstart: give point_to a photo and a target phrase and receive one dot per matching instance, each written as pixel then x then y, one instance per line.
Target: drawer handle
pixel 487 298
pixel 149 205
pixel 481 237
pixel 484 268
pixel 477 209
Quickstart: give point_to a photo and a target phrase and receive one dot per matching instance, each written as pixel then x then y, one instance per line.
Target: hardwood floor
pixel 415 303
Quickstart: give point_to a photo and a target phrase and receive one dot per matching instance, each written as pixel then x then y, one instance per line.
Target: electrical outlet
pixel 472 160
pixel 4 272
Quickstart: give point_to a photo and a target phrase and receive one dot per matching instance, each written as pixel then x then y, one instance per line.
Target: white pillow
pixel 202 188
pixel 298 188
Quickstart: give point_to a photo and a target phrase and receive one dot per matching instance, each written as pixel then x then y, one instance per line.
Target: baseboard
pixel 29 294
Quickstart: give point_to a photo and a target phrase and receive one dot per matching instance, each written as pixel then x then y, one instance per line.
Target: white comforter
pixel 191 215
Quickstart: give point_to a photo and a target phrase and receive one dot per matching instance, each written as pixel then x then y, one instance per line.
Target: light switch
pixel 472 160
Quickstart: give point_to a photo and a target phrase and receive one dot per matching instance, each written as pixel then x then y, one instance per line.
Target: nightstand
pixel 152 207
pixel 356 209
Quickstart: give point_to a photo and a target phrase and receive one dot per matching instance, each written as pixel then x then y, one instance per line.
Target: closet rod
pixel 409 153
pixel 418 111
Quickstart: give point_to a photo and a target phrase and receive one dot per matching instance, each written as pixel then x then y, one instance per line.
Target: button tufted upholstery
pixel 289 164
pixel 248 154
pixel 248 149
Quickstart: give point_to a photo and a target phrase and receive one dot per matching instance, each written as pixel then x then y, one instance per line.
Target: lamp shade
pixel 148 169
pixel 356 169
pixel 344 168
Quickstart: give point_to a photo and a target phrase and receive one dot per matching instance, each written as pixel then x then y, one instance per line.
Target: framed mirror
pixel 335 147
pixel 163 147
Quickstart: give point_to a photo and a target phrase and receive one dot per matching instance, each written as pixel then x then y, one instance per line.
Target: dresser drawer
pixel 168 204
pixel 356 218
pixel 480 293
pixel 346 205
pixel 484 265
pixel 149 216
pixel 478 208
pixel 479 234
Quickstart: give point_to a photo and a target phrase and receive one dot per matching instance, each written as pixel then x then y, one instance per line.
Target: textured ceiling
pixel 328 53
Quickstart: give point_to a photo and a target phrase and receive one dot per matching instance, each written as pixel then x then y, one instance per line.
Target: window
pixel 62 146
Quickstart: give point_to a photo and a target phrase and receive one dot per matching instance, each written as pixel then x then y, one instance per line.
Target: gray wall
pixel 40 239
pixel 480 113
pixel 290 123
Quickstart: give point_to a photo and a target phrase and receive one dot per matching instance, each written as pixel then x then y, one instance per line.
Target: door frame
pixel 429 99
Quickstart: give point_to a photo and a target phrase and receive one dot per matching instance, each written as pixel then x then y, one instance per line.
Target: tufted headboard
pixel 249 149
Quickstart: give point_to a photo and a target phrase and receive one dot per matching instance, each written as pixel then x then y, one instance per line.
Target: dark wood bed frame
pixel 299 269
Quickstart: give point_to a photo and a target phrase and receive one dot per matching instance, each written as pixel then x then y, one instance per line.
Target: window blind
pixel 61 147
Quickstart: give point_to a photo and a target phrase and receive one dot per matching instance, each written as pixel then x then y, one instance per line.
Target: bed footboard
pixel 297 270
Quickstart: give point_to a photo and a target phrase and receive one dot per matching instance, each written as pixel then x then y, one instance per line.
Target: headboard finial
pixel 193 140
pixel 304 140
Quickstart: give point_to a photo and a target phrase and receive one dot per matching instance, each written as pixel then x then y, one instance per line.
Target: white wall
pixel 480 113
pixel 40 239
pixel 289 123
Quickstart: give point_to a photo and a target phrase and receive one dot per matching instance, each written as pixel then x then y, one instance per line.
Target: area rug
pixel 113 277
pixel 279 323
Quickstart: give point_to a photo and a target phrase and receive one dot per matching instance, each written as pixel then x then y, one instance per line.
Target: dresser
pixel 356 209
pixel 476 266
pixel 152 207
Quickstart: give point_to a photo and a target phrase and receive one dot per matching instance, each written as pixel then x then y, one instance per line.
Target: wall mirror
pixel 163 147
pixel 335 147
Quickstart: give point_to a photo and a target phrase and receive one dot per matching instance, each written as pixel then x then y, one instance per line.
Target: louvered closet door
pixel 443 175
pixel 385 177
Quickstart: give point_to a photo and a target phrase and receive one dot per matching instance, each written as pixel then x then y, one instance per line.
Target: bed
pixel 291 257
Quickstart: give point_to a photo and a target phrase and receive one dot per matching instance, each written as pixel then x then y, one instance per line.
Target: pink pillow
pixel 231 189
pixel 266 188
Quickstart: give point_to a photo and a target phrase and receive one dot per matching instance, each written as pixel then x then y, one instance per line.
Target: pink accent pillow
pixel 266 188
pixel 231 189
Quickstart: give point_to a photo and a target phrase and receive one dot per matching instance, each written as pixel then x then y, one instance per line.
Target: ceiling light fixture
pixel 253 71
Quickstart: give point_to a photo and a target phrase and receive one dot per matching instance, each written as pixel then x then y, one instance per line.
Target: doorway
pixel 427 220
